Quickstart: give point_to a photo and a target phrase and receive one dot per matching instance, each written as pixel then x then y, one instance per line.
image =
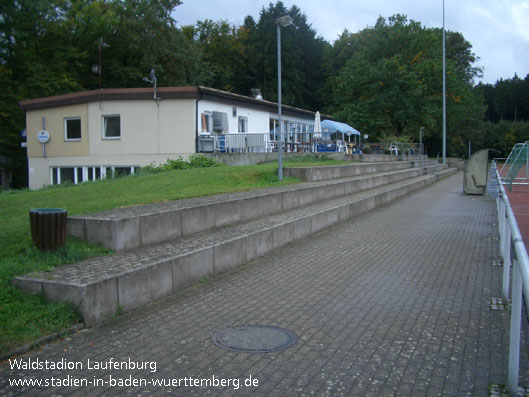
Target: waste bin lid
pixel 48 210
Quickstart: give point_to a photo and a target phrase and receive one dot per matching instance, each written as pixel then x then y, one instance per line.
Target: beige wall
pixel 147 127
pixel 151 131
pixel 54 123
pixel 177 126
pixel 39 168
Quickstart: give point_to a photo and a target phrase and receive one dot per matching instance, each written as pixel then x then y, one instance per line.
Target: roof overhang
pixel 192 92
pixel 108 94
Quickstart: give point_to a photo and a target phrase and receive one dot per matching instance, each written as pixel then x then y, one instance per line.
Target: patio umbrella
pixel 317 127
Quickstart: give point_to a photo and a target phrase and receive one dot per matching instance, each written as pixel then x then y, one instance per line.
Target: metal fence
pixel 510 238
pixel 264 142
pixel 515 170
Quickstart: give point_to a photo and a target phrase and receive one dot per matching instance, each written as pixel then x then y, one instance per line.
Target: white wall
pixel 258 120
pixel 151 131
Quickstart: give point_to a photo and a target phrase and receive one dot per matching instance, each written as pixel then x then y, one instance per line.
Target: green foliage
pixel 199 161
pixel 507 99
pixel 388 138
pixel 504 135
pixel 195 161
pixel 389 84
pixel 366 149
pixel 26 317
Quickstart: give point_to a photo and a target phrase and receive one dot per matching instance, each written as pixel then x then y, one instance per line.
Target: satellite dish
pixel 152 79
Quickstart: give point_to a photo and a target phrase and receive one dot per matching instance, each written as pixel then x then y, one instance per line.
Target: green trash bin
pixel 48 228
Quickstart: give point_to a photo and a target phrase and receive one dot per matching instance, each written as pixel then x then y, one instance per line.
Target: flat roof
pixel 189 92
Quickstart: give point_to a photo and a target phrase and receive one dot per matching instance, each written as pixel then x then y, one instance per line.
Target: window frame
pixel 242 121
pixel 103 130
pixel 207 122
pixel 66 139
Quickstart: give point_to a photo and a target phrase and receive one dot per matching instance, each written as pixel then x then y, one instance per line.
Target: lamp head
pixel 284 20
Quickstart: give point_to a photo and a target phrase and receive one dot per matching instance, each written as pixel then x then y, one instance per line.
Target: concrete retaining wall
pixel 259 158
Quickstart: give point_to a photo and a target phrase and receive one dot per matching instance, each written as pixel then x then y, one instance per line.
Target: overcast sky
pixel 497 29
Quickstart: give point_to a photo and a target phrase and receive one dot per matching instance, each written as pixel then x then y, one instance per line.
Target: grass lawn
pixel 23 317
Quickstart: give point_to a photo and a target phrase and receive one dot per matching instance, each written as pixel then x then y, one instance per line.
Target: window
pixel 206 122
pixel 274 129
pixel 111 127
pixel 67 174
pixel 243 124
pixel 72 129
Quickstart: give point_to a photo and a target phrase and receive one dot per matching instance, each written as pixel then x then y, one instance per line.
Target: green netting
pixel 517 159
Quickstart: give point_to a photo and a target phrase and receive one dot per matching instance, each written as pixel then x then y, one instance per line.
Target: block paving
pixel 395 302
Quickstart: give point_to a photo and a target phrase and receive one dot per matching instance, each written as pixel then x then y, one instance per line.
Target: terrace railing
pixel 302 142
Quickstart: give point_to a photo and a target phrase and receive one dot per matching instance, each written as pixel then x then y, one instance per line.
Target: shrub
pixel 178 164
pixel 195 161
pixel 200 161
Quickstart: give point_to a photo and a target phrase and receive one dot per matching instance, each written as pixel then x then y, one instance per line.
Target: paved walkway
pixel 395 302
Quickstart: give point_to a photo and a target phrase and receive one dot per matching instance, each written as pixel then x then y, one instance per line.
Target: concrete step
pixel 434 168
pixel 446 172
pixel 456 163
pixel 103 286
pixel 328 172
pixel 137 226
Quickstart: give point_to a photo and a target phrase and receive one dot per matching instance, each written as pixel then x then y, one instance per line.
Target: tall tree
pixel 301 57
pixel 392 82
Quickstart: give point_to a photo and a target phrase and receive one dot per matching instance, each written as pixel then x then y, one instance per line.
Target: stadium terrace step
pixel 435 168
pixel 137 226
pixel 327 172
pixel 103 286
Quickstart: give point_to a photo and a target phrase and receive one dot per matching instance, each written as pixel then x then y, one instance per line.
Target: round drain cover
pixel 254 338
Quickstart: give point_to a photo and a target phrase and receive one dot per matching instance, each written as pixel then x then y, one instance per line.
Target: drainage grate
pixel 254 338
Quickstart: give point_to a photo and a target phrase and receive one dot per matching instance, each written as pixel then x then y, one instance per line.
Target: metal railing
pixel 510 237
pixel 302 142
pixel 236 143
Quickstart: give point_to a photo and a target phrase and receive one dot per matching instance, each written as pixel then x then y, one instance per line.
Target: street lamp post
pixel 420 149
pixel 281 21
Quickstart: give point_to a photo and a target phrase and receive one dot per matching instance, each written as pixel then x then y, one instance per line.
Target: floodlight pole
pixel 282 21
pixel 444 87
pixel 420 149
pixel 280 140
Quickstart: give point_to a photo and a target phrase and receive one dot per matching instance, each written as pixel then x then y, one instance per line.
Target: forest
pixel 385 80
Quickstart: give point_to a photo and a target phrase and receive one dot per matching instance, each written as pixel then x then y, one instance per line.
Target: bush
pixel 366 149
pixel 200 161
pixel 178 164
pixel 195 161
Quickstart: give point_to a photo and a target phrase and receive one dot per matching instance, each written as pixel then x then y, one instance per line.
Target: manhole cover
pixel 254 338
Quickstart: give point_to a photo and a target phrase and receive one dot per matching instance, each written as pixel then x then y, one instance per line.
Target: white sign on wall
pixel 43 136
